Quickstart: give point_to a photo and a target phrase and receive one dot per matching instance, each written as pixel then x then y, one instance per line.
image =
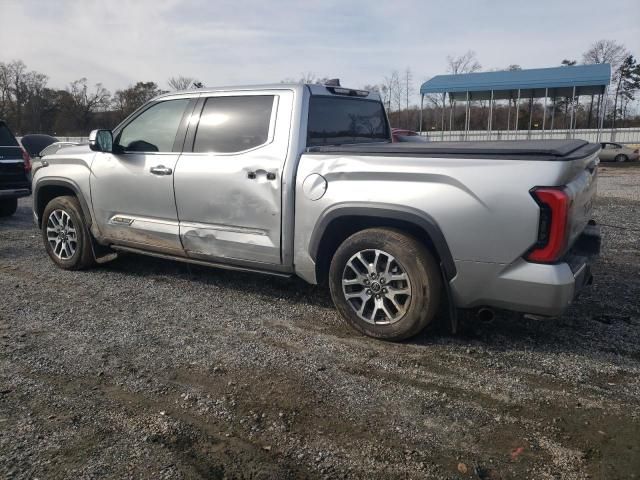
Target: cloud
pixel 240 42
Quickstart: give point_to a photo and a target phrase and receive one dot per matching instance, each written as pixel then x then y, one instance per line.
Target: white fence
pixel 619 135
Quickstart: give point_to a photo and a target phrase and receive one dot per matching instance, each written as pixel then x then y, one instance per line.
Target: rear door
pixel 228 181
pixel 12 172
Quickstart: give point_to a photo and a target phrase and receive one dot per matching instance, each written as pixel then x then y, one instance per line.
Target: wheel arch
pixel 50 188
pixel 342 220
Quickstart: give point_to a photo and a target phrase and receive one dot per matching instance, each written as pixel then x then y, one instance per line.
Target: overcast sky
pixel 225 42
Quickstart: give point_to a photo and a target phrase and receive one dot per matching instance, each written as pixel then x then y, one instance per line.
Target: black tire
pixel 621 158
pixel 8 207
pixel 82 257
pixel 413 259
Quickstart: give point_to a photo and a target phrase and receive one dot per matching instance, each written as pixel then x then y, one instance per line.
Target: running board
pixel 204 263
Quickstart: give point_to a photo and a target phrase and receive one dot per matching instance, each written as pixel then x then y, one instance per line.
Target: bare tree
pixel 85 102
pixel 408 91
pixel 20 92
pixel 127 100
pixel 183 83
pixel 398 92
pixel 627 83
pixel 604 51
pixel 458 65
pixel 466 63
pixel 391 90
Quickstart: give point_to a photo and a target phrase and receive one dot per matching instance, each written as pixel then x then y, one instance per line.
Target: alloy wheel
pixel 62 235
pixel 376 286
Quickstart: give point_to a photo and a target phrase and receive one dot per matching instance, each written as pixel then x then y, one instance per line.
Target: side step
pixel 204 263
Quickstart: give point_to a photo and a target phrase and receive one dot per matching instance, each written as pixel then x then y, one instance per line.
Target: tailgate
pixel 582 191
pixel 12 174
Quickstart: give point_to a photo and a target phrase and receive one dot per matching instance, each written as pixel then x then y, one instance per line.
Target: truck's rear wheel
pixel 65 234
pixel 385 283
pixel 8 207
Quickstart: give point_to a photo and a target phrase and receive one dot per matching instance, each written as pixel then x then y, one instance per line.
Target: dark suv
pixel 15 168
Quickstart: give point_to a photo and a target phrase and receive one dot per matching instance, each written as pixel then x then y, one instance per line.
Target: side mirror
pixel 101 140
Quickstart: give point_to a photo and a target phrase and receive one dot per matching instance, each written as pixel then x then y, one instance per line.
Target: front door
pixel 132 190
pixel 228 181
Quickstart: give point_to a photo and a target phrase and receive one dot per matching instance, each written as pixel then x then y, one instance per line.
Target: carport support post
pixel 517 114
pixel 573 109
pixel 544 110
pixel 466 117
pixel 490 117
pixel 604 111
pixel 530 115
pixel 421 109
pixel 452 107
pixel 444 96
pixel 509 115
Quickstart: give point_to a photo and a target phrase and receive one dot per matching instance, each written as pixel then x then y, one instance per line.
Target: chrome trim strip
pixel 223 228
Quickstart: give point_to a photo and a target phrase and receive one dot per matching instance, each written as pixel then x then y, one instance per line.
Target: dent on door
pixel 245 214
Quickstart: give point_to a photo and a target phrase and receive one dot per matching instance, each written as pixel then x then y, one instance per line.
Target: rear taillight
pixel 553 228
pixel 27 161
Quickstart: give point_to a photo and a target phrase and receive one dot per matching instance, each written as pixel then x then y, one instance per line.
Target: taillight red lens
pixel 553 228
pixel 27 161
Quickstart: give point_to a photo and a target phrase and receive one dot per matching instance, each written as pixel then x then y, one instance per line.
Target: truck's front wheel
pixel 65 234
pixel 385 283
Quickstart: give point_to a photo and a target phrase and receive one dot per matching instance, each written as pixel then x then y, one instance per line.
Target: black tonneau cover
pixel 548 150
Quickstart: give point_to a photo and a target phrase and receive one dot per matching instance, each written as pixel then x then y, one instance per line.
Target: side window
pixel 154 130
pixel 233 124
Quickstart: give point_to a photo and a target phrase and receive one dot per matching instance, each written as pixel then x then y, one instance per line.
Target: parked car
pixel 304 180
pixel 36 142
pixel 15 168
pixel 614 152
pixel 402 135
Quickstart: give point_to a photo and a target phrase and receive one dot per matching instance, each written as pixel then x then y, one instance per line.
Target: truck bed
pixel 541 150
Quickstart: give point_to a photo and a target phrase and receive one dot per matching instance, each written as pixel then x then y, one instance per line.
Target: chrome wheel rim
pixel 62 235
pixel 376 286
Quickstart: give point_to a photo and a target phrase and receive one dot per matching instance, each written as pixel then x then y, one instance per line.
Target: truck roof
pixel 315 89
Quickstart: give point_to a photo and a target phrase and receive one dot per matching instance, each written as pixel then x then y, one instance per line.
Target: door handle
pixel 161 170
pixel 254 175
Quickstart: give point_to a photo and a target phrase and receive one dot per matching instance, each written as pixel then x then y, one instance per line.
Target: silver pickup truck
pixel 304 180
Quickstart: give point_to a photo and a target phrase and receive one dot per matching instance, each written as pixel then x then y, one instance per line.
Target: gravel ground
pixel 144 368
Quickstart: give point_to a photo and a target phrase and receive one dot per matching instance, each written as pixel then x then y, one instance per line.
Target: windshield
pixel 335 120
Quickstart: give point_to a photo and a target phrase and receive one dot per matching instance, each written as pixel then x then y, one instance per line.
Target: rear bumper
pixel 541 289
pixel 15 192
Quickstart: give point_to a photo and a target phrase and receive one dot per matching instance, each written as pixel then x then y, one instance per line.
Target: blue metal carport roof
pixel 556 81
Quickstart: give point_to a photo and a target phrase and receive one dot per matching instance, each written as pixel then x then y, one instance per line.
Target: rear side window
pixel 6 137
pixel 155 129
pixel 234 124
pixel 339 120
